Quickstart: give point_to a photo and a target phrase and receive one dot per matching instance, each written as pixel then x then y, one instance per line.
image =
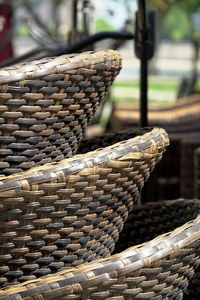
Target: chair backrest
pixel 158 269
pixel 63 214
pixel 47 104
pixel 179 117
pixel 109 138
pixel 146 222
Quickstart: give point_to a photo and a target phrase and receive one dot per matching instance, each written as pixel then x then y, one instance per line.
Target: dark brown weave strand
pixel 47 104
pixel 159 269
pixel 64 214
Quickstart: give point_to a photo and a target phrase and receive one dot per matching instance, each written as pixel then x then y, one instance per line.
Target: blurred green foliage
pixel 178 21
pixel 103 25
pixel 190 5
pixel 22 30
pixel 173 29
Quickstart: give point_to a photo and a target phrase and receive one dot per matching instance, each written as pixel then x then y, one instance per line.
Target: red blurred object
pixel 6 50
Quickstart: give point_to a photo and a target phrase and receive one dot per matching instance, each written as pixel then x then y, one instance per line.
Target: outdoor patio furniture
pixel 146 221
pixel 66 213
pixel 180 117
pixel 158 269
pixel 176 175
pixel 47 104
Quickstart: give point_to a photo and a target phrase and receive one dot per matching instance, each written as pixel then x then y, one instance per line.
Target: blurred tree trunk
pixel 195 40
pixel 55 20
pixel 195 59
pixel 159 17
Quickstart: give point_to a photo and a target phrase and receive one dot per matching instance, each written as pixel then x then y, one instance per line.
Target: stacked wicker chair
pixel 61 220
pixel 181 121
pixel 146 222
pixel 158 269
pixel 46 106
pixel 63 214
pixel 58 212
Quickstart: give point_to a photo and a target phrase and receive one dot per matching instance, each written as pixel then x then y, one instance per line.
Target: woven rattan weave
pixel 159 269
pixel 45 106
pixel 164 183
pixel 145 222
pixel 64 214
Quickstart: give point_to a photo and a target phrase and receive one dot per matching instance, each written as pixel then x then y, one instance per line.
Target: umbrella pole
pixel 74 22
pixel 141 49
pixel 144 50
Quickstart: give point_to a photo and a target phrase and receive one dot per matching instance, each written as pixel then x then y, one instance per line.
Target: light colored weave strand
pixel 47 66
pixel 137 148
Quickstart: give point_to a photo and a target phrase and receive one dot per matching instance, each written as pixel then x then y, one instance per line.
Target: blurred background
pixel 173 71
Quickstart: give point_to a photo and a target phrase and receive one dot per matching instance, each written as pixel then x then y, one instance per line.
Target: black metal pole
pixel 74 21
pixel 143 48
pixel 86 30
pixel 141 51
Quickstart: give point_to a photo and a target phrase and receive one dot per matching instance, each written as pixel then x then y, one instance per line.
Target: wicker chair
pixel 63 214
pixel 181 117
pixel 47 104
pixel 158 269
